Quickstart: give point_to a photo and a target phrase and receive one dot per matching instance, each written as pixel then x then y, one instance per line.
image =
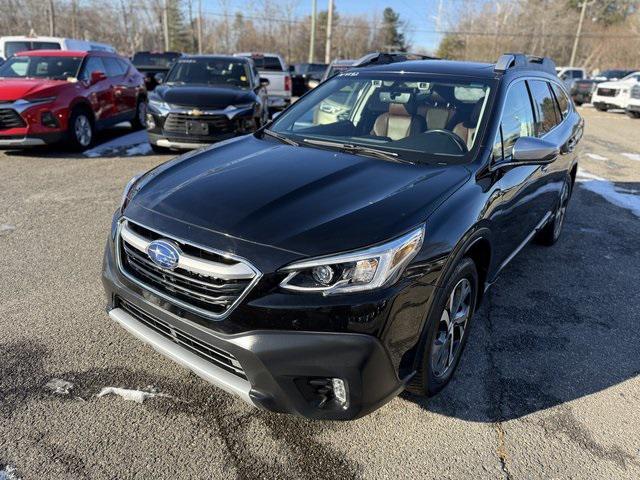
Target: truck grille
pixel 205 282
pixel 177 123
pixel 9 118
pixel 607 92
pixel 213 354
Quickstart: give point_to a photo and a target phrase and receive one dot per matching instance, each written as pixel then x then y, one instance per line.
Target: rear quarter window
pixel 547 112
pixel 561 97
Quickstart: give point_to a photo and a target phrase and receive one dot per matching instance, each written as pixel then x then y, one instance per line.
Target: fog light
pixel 48 120
pixel 323 274
pixel 151 123
pixel 339 391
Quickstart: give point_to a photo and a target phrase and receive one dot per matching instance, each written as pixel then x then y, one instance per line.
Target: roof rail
pixel 383 58
pixel 515 60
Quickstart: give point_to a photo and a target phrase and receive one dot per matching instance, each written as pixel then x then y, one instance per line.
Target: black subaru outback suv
pixel 336 257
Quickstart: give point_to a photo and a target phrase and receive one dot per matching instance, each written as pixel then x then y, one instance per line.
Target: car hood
pixel 616 83
pixel 303 200
pixel 204 96
pixel 15 89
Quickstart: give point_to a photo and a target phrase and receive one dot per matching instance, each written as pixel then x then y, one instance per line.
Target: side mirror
pixel 97 76
pixel 275 115
pixel 159 78
pixel 313 83
pixel 534 151
pixel 264 82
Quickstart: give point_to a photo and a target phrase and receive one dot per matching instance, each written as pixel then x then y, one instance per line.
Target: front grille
pixel 607 92
pixel 213 354
pixel 635 91
pixel 210 284
pixel 177 123
pixel 9 118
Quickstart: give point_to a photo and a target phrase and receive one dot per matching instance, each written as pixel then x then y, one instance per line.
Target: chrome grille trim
pixel 191 284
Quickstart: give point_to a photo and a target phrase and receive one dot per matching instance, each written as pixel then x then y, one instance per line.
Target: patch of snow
pixel 595 156
pixel 59 386
pixel 138 396
pixel 632 156
pixel 609 192
pixel 6 228
pixel 137 143
pixel 8 473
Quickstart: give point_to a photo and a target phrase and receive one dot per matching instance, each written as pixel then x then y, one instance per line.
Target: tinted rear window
pixel 268 63
pixel 163 60
pixel 546 108
pixel 11 48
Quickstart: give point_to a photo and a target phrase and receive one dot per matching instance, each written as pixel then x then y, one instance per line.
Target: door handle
pixel 571 144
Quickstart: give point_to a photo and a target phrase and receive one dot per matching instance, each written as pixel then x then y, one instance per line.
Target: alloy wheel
pixel 562 210
pixel 83 130
pixel 451 328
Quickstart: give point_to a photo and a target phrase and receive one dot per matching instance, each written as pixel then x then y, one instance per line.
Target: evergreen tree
pixel 391 36
pixel 178 31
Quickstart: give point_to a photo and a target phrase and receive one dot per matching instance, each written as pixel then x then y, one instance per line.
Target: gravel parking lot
pixel 549 385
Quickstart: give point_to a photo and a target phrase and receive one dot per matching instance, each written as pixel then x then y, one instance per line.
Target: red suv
pixel 48 96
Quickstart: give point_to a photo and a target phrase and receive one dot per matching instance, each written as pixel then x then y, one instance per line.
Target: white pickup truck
pixel 272 67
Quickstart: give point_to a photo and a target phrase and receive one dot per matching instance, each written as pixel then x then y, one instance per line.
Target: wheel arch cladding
pixel 480 252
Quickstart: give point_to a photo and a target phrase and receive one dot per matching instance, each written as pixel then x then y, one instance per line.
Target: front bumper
pixel 277 366
pixel 29 140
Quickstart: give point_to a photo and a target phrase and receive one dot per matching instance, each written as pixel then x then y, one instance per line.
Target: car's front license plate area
pixel 195 127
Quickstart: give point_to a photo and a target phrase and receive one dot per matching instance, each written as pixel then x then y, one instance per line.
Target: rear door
pixel 121 91
pixel 100 94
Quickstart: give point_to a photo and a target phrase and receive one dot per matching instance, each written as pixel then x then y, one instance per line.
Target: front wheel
pixel 81 130
pixel 600 107
pixel 447 330
pixel 633 114
pixel 550 233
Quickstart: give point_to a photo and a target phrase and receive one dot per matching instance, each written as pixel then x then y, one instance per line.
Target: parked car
pixel 633 105
pixel 570 74
pixel 304 73
pixel 154 65
pixel 272 67
pixel 321 269
pixel 204 99
pixel 582 90
pixel 614 94
pixel 51 95
pixel 11 45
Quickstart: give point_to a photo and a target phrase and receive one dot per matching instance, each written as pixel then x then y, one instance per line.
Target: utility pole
pixel 52 19
pixel 327 51
pixel 574 50
pixel 200 27
pixel 74 18
pixel 312 42
pixel 165 24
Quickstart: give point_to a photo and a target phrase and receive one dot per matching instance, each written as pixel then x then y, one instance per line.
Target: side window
pixel 91 64
pixel 517 117
pixel 114 69
pixel 547 114
pixel 561 97
pixel 496 151
pixel 576 74
pixel 124 65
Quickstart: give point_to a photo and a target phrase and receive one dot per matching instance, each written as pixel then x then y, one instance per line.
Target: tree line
pixel 226 27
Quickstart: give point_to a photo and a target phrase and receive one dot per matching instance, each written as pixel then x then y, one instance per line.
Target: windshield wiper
pixel 358 149
pixel 282 138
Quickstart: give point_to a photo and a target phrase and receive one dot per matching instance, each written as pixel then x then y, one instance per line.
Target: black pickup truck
pixel 152 63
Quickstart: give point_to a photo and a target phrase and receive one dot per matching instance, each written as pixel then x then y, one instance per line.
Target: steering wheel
pixel 453 136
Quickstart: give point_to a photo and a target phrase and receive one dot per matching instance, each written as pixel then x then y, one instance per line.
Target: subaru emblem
pixel 164 254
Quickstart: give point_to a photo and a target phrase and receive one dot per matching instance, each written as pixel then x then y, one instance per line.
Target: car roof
pixel 213 55
pixel 445 67
pixel 58 53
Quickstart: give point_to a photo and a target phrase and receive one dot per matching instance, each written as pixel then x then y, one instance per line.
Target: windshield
pixel 57 68
pixel 417 117
pixel 615 73
pixel 163 60
pixel 632 76
pixel 210 71
pixel 11 48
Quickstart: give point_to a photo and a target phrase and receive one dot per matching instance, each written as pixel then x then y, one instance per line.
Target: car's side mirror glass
pixel 97 76
pixel 534 150
pixel 264 82
pixel 159 78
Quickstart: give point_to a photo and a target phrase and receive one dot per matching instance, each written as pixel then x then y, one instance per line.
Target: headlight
pixel 128 192
pixel 159 105
pixel 355 271
pixel 233 110
pixel 34 101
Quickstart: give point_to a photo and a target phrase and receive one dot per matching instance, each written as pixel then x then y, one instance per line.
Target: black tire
pixel 578 104
pixel 632 114
pixel 81 130
pixel 601 108
pixel 433 373
pixel 158 149
pixel 550 233
pixel 139 122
